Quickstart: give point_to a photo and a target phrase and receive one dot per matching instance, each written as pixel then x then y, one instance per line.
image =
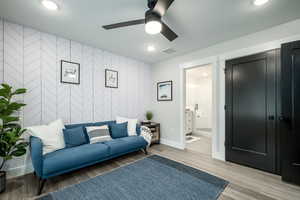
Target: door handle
pixel 296 164
pixel 288 121
pixel 284 119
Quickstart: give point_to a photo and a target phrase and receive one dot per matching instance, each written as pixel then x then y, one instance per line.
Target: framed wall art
pixel 165 91
pixel 70 72
pixel 111 78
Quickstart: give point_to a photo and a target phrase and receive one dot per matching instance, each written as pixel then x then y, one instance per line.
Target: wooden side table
pixel 155 130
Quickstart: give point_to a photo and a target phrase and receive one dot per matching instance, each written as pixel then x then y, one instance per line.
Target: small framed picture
pixel 70 72
pixel 111 78
pixel 165 91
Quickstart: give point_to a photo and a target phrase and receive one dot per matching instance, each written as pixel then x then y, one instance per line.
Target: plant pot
pixel 2 181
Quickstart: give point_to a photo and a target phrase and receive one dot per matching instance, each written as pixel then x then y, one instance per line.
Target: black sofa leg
pixel 145 151
pixel 41 186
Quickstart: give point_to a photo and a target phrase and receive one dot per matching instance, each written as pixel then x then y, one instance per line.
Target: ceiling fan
pixel 153 22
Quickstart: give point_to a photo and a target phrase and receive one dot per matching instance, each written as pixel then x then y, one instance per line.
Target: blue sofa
pixel 70 159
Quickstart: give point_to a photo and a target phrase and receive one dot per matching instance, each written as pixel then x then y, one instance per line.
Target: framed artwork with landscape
pixel 165 91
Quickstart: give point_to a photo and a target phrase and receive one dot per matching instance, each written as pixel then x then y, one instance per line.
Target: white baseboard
pixel 218 156
pixel 202 133
pixel 19 171
pixel 171 143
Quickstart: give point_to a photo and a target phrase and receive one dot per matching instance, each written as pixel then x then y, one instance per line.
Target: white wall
pixel 31 59
pixel 167 113
pixel 199 91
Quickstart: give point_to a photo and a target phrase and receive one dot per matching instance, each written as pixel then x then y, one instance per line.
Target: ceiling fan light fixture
pixel 153 27
pixel 50 5
pixel 260 2
pixel 153 20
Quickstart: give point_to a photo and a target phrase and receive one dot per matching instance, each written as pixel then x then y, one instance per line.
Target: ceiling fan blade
pixel 162 6
pixel 124 24
pixel 168 33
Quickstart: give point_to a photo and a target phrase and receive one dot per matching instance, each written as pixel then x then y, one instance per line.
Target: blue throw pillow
pixel 118 130
pixel 75 136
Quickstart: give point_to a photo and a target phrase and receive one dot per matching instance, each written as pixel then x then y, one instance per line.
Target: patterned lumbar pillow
pixel 98 133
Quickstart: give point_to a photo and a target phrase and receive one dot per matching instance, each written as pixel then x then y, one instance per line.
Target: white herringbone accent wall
pixel 87 81
pixel 32 77
pixel 31 59
pixel 49 78
pixel 76 90
pixel 63 90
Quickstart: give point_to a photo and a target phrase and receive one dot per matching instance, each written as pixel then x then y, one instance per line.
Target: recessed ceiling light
pixel 260 2
pixel 50 5
pixel 151 48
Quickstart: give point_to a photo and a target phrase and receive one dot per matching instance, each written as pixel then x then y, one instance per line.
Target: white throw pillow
pixel 131 126
pixel 51 135
pixel 98 133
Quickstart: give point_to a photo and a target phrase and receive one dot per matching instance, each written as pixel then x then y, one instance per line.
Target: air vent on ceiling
pixel 169 51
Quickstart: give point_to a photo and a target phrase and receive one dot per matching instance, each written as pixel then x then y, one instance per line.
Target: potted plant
pixel 11 143
pixel 149 116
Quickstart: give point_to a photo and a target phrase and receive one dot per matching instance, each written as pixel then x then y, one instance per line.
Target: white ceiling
pixel 199 23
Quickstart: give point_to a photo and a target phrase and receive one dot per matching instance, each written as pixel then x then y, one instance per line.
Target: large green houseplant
pixel 11 143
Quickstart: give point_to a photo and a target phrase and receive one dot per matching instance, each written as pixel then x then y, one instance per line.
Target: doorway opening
pixel 199 109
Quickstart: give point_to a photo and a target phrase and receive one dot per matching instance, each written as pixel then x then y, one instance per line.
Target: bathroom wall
pixel 199 91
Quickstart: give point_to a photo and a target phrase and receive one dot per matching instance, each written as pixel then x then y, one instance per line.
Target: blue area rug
pixel 152 178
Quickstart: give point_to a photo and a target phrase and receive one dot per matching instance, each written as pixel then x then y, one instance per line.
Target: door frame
pixel 213 61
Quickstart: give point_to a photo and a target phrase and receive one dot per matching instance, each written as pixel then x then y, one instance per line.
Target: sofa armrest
pixel 36 150
pixel 138 129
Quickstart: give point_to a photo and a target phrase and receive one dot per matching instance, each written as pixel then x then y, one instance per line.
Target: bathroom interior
pixel 198 112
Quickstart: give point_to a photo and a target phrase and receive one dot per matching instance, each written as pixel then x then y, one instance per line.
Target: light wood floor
pixel 245 183
pixel 202 146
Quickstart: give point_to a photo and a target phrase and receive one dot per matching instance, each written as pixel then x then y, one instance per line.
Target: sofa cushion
pixel 125 144
pixel 118 130
pixel 75 137
pixel 131 126
pixel 90 124
pixel 78 125
pixel 104 123
pixel 68 158
pixel 98 134
pixel 51 135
